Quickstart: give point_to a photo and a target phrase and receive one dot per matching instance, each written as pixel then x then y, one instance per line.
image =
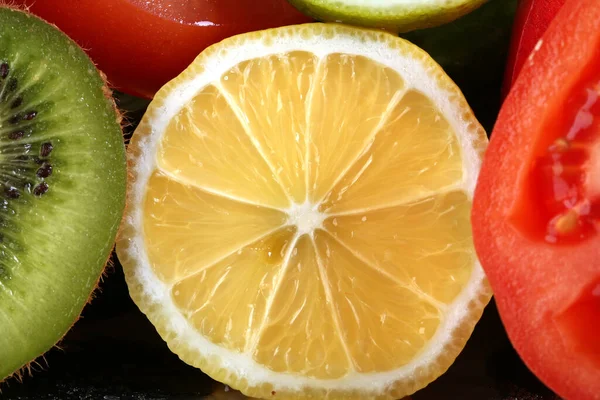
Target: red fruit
pixel 140 45
pixel 536 211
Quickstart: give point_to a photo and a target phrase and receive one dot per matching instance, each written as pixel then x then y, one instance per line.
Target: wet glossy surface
pixel 114 353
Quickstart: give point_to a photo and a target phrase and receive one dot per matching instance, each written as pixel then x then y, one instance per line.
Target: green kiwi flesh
pixel 62 185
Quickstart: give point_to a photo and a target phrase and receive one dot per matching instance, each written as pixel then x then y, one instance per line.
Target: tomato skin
pixel 142 45
pixel 531 21
pixel 548 294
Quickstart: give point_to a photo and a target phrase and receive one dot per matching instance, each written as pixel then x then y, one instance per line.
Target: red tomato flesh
pixel 536 210
pixel 531 21
pixel 140 45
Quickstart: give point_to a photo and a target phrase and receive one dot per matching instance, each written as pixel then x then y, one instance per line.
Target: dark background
pixel 114 353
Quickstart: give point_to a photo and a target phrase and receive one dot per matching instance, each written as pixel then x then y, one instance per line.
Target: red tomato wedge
pixel 536 212
pixel 140 44
pixel 531 21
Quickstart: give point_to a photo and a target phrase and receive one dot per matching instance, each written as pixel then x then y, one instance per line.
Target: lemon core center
pixel 306 217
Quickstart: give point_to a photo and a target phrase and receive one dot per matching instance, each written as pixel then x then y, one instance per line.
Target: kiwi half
pixel 62 184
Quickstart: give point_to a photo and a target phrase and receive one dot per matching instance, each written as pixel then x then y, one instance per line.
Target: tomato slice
pixel 531 21
pixel 140 45
pixel 536 211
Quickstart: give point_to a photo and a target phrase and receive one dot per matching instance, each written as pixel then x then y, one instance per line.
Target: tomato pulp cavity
pixel 141 44
pixel 536 209
pixel 560 202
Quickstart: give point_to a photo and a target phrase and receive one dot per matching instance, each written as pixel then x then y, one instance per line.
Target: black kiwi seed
pixel 3 70
pixel 16 135
pixel 44 171
pixel 46 149
pixel 40 189
pixel 12 192
pixel 30 115
pixel 16 102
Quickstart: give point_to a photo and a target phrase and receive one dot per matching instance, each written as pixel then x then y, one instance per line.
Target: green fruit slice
pixel 393 15
pixel 62 184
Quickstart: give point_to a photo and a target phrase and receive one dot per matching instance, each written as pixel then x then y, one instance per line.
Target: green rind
pixel 398 19
pixel 66 235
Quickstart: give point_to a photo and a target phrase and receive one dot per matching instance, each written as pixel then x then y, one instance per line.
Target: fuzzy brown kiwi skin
pixel 28 368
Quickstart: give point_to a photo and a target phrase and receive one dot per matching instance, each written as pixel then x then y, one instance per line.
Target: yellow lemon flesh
pixel 298 217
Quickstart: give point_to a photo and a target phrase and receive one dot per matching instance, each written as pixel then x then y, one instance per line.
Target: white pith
pixel 304 216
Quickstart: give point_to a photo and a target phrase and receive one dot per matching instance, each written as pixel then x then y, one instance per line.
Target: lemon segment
pixel 351 97
pixel 425 245
pixel 415 148
pixel 210 299
pixel 301 335
pixel 384 328
pixel 206 145
pixel 274 117
pixel 180 221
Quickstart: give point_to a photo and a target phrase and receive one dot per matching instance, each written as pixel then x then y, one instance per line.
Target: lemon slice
pixel 298 215
pixel 393 15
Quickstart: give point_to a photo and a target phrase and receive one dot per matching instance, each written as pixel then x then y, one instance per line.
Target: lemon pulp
pixel 309 212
